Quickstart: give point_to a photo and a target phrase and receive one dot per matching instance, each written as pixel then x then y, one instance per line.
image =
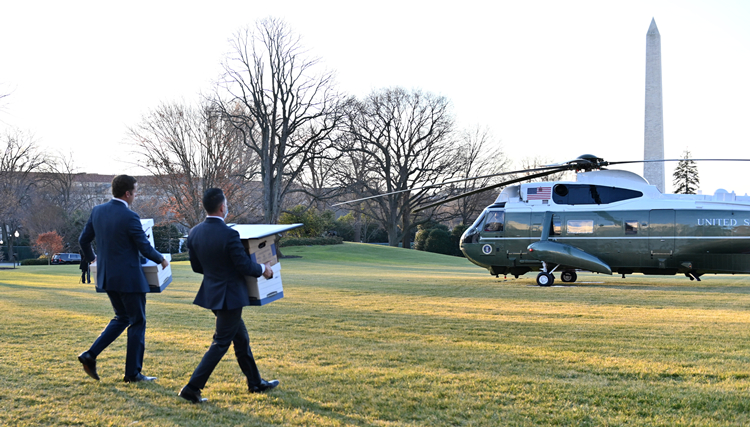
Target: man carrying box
pixel 216 251
pixel 119 239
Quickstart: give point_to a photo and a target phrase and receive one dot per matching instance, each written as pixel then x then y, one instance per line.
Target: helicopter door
pixel 518 228
pixel 492 232
pixel 661 231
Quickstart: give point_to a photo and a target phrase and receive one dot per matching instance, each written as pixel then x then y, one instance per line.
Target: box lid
pixel 257 231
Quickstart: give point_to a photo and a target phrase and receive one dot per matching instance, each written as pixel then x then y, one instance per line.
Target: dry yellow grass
pixel 381 336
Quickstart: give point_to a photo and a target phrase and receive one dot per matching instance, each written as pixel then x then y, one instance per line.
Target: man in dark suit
pixel 119 239
pixel 216 251
pixel 84 267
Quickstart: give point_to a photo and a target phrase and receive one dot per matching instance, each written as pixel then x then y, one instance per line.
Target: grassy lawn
pixel 371 335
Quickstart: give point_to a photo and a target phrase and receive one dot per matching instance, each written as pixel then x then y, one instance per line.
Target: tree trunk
pixel 357 226
pixel 406 240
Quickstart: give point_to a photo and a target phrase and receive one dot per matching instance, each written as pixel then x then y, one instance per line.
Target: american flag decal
pixel 539 193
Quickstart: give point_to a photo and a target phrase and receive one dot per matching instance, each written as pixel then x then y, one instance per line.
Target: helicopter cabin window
pixel 585 194
pixel 580 226
pixel 631 227
pixel 494 221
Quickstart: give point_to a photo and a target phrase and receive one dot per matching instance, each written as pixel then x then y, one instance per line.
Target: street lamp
pixel 13 255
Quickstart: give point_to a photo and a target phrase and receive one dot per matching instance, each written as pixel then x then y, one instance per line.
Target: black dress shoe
pixel 137 378
pixel 263 386
pixel 193 396
pixel 89 364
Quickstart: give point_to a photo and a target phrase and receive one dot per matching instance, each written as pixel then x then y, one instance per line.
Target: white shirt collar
pixel 121 201
pixel 211 216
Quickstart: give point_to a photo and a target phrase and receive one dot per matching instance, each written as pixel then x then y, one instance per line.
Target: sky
pixel 555 79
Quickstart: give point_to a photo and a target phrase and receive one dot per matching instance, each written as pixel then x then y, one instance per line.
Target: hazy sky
pixel 551 78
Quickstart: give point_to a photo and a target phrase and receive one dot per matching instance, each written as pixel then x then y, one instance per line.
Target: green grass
pixel 378 336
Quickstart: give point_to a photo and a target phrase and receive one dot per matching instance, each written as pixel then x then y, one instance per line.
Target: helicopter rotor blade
pixel 676 160
pixel 586 162
pixel 543 168
pixel 483 189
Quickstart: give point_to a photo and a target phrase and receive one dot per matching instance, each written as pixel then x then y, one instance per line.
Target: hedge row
pixel 310 241
pixel 34 261
pixel 182 256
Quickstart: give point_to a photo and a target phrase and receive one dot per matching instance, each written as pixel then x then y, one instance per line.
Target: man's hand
pixel 164 263
pixel 268 273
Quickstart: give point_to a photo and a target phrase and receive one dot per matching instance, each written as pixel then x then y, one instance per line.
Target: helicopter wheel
pixel 545 279
pixel 568 276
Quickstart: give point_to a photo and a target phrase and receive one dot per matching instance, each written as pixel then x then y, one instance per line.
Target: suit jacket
pixel 119 239
pixel 215 250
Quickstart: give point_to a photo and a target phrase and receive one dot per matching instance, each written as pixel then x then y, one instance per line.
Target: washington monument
pixel 653 141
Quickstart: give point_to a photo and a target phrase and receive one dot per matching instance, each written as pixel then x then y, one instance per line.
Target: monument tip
pixel 652 28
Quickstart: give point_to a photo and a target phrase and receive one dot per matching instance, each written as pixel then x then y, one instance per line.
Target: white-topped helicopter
pixel 607 221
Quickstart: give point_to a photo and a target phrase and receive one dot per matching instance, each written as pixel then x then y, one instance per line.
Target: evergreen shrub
pixel 438 238
pixel 34 261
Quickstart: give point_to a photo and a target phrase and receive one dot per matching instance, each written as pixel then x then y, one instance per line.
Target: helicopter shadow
pixel 740 290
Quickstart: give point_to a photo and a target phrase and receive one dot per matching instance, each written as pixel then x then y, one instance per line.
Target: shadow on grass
pixel 742 290
pixel 219 412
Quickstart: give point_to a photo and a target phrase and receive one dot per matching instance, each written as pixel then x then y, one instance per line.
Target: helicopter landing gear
pixel 545 279
pixel 568 276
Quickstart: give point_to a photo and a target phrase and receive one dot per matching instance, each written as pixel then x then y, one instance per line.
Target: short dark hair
pixel 212 199
pixel 121 184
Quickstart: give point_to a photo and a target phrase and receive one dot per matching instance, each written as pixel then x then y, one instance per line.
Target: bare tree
pixel 60 201
pixel 353 174
pixel 19 160
pixel 189 150
pixel 406 137
pixel 58 181
pixel 478 156
pixel 317 179
pixel 283 110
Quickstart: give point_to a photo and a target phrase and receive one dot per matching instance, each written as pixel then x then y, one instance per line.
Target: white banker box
pixel 259 241
pixel 265 289
pixel 158 278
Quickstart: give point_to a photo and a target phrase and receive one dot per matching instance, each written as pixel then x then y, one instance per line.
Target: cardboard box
pixel 261 250
pixel 260 242
pixel 148 228
pixel 262 290
pixel 158 278
pixel 258 231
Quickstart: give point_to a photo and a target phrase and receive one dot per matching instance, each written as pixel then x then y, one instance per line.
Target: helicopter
pixel 606 221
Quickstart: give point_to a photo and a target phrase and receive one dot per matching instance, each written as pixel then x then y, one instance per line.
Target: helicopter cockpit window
pixel 631 227
pixel 584 194
pixel 471 235
pixel 494 221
